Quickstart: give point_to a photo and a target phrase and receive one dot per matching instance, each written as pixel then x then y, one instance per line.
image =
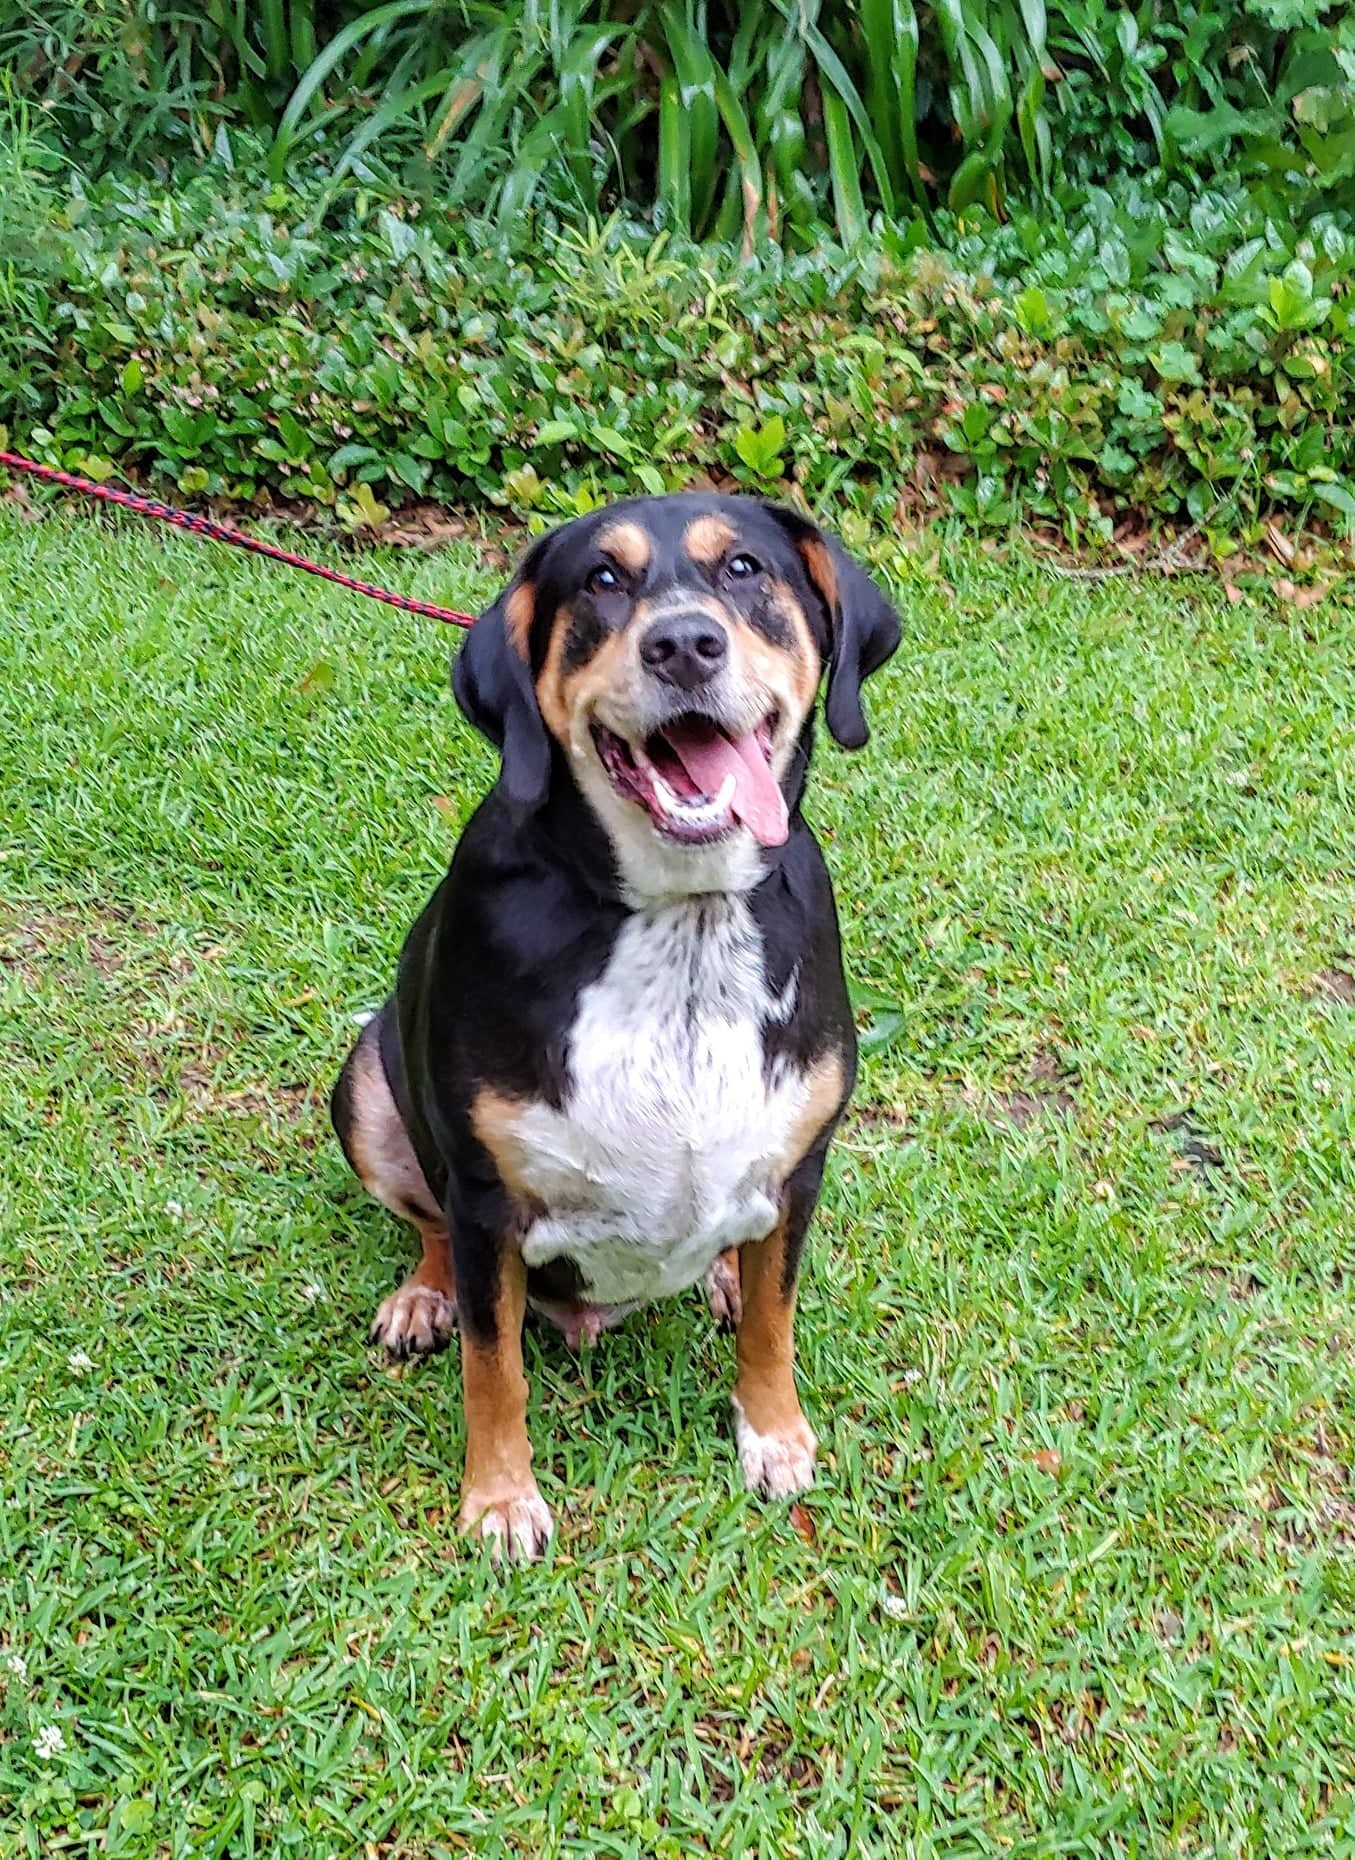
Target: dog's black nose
pixel 685 650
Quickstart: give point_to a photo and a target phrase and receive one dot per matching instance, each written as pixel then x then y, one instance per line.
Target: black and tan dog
pixel 620 1039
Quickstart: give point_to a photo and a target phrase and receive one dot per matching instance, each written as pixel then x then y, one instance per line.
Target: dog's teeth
pixel 696 807
pixel 663 794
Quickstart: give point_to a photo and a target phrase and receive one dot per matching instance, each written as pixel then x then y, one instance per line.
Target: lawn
pixel 1077 1334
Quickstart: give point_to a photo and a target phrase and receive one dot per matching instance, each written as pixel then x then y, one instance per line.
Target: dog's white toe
pixel 415 1321
pixel 777 1465
pixel 515 1524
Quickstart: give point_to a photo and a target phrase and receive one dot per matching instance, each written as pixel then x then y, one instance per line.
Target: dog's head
pixel 672 648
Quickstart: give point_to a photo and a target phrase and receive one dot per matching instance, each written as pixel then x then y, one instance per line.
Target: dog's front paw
pixel 724 1290
pixel 415 1321
pixel 780 1462
pixel 516 1524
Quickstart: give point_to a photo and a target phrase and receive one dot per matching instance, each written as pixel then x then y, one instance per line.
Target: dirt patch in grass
pixel 1333 1480
pixel 147 1035
pixel 876 1118
pixel 1198 1154
pixel 1047 1092
pixel 1335 985
pixel 201 1084
pixel 34 939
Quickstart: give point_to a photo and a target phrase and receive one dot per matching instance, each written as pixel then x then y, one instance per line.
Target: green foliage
pixel 28 250
pixel 723 119
pixel 1266 91
pixel 1178 354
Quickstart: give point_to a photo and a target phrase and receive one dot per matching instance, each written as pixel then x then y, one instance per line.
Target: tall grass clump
pixel 30 258
pixel 720 119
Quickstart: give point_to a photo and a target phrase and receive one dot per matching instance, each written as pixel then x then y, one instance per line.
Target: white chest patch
pixel 671 1142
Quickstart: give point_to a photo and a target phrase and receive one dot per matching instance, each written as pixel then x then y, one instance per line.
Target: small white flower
pixel 174 1209
pixel 896 1608
pixel 17 1665
pixel 363 1015
pixel 312 1291
pixel 79 1363
pixel 49 1742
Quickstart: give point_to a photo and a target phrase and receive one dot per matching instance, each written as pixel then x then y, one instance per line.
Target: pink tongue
pixel 708 756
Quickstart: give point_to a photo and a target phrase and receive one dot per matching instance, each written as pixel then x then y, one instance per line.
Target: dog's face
pixel 673 647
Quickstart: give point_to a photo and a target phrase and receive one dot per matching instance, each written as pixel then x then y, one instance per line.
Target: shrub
pixel 29 249
pixel 1174 353
pixel 713 116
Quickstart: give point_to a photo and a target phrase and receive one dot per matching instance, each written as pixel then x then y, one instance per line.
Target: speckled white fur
pixel 670 1143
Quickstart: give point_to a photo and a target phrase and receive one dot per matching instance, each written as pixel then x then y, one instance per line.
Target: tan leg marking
pixel 724 1293
pixel 776 1446
pixel 823 1100
pixel 420 1317
pixel 495 1119
pixel 499 1498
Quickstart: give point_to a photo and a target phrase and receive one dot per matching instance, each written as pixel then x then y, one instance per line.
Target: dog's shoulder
pixel 492 973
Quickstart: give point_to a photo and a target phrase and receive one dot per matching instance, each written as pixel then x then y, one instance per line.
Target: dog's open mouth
pixel 697 782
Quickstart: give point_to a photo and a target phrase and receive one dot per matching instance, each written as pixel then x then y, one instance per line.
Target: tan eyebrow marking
pixel 629 544
pixel 818 562
pixel 707 539
pixel 518 610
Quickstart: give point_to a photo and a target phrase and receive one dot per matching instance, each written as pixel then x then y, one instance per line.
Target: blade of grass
pixel 487 150
pixel 965 87
pixel 276 41
pixel 880 26
pixel 319 69
pixel 849 207
pixel 1029 120
pixel 675 158
pixel 462 98
pixel 407 103
pixel 745 154
pixel 301 25
pixel 579 97
pixel 695 70
pixel 833 72
pixel 892 51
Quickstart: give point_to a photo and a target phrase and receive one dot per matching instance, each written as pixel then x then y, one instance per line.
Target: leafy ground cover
pixel 1079 1575
pixel 1184 354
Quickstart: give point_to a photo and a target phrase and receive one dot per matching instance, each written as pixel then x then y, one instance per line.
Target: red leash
pixel 222 532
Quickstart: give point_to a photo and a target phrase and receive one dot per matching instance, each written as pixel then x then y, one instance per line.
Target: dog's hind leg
pixel 421 1316
pixel 724 1290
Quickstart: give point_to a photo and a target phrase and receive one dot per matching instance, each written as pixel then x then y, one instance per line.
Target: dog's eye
pixel 742 566
pixel 603 580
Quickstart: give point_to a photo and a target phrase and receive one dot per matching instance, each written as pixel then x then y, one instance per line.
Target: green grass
pixel 1083 1383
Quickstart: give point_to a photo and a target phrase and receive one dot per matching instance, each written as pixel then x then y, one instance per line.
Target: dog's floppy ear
pixel 865 628
pixel 492 682
pixel 865 634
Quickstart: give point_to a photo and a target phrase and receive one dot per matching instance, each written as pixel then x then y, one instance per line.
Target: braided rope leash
pixel 222 532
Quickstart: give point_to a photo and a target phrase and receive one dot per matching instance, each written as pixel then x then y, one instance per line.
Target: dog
pixel 620 1040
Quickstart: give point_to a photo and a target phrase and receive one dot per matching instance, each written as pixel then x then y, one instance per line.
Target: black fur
pixel 490 977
